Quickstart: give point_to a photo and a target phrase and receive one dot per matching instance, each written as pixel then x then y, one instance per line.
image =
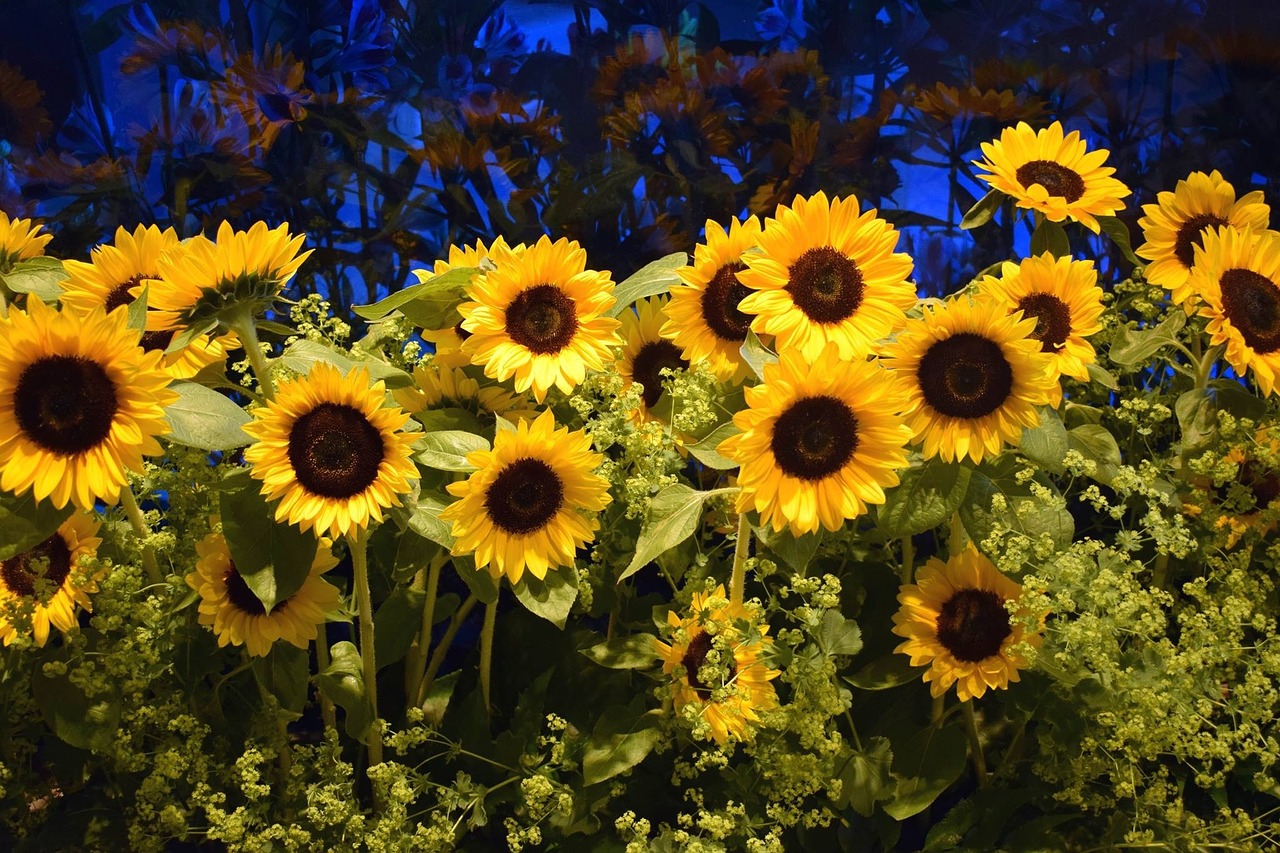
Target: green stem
pixel 1205 367
pixel 975 744
pixel 140 527
pixel 437 657
pixel 738 581
pixel 1160 573
pixel 936 713
pixel 247 332
pixel 486 653
pixel 908 559
pixel 364 601
pixel 853 730
pixel 418 654
pixel 327 712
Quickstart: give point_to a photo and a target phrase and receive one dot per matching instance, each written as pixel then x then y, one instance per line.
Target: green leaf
pixel 983 210
pixel 1198 417
pixel 25 523
pixel 1114 228
pixel 395 624
pixel 1232 396
pixel 433 300
pixel 302 355
pixel 1023 514
pixel 479 581
pixel 706 451
pixel 138 310
pixel 83 722
pixel 440 420
pixel 284 672
pixel 343 683
pixel 1050 237
pixel 446 450
pixel 273 558
pixel 866 778
pixel 651 279
pixel 620 740
pixel 885 672
pixel 838 635
pixel 795 551
pixel 925 766
pixel 204 418
pixel 635 651
pixel 674 515
pixel 41 277
pixel 1046 443
pixel 1094 441
pixel 926 496
pixel 552 597
pixel 1102 377
pixel 757 355
pixel 1135 347
pixel 426 522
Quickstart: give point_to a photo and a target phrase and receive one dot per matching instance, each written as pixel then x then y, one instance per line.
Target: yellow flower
pixel 974 377
pixel 704 319
pixel 1053 174
pixel 45 583
pixel 1063 297
pixel 819 441
pixel 523 508
pixel 238 617
pixel 20 240
pixel 1237 273
pixel 646 353
pixel 1172 228
pixel 80 404
pixel 437 387
pixel 955 622
pixel 448 341
pixel 715 663
pixel 539 316
pixel 826 273
pixel 331 451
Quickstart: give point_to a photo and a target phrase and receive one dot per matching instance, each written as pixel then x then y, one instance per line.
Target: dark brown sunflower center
pixel 120 294
pixel 814 437
pixel 65 404
pixel 965 376
pixel 1053 320
pixel 51 559
pixel 543 319
pixel 972 624
pixel 648 365
pixel 826 285
pixel 695 656
pixel 334 450
pixel 152 341
pixel 1263 484
pixel 720 304
pixel 1252 304
pixel 1056 179
pixel 524 497
pixel 242 598
pixel 462 333
pixel 1188 237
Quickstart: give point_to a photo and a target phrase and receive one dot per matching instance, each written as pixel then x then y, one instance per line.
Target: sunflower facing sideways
pixel 20 240
pixel 1054 174
pixel 448 341
pixel 45 583
pixel 827 273
pixel 715 663
pixel 237 616
pixel 1172 227
pixel 646 353
pixel 974 377
pixel 438 387
pixel 703 317
pixel 1063 297
pixel 539 316
pixel 955 622
pixel 819 441
pixel 524 506
pixel 331 451
pixel 80 404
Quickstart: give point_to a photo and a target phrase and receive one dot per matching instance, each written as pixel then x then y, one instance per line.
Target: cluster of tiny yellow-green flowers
pixel 693 393
pixel 314 321
pixel 540 799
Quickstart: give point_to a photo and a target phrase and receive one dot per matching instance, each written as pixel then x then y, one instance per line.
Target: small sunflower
pixel 1172 227
pixel 436 387
pixel 80 404
pixel 1237 274
pixel 974 377
pixel 1063 297
pixel 715 663
pixel 238 617
pixel 1056 175
pixel 646 353
pixel 20 240
pixel 117 274
pixel 819 441
pixel 704 319
pixel 523 508
pixel 955 621
pixel 45 583
pixel 539 316
pixel 330 451
pixel 827 273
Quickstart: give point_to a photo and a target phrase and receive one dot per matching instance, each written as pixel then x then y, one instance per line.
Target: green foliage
pixel 274 558
pixel 204 418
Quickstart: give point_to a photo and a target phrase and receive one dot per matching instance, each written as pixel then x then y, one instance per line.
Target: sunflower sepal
pixel 273 557
pixel 983 210
pixel 26 522
pixel 1118 232
pixel 652 279
pixel 550 597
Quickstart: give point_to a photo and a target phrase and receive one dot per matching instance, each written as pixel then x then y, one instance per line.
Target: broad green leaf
pixel 1115 228
pixel 674 515
pixel 1198 418
pixel 426 522
pixel 635 651
pixel 446 450
pixel 1232 396
pixel 431 304
pixel 395 623
pixel 25 523
pixel 866 778
pixel 983 210
pixel 204 418
pixel 1046 443
pixel 552 597
pixel 926 496
pixel 1095 442
pixel 757 355
pixel 620 740
pixel 343 683
pixel 41 277
pixel 925 766
pixel 1022 514
pixel 795 551
pixel 273 558
pixel 439 420
pixel 301 356
pixel 83 722
pixel 651 279
pixel 284 672
pixel 482 584
pixel 891 670
pixel 1135 347
pixel 1049 236
pixel 1102 377
pixel 706 451
pixel 838 635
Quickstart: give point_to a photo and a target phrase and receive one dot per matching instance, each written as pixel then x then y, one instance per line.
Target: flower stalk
pixel 140 528
pixel 360 564
pixel 738 580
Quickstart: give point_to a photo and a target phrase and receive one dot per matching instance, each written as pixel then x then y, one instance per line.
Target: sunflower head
pixel 645 353
pixel 437 387
pixel 41 586
pixel 20 240
pixel 956 620
pixel 1237 273
pixel 715 660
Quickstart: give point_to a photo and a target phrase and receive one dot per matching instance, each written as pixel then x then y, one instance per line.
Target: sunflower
pixel 20 240
pixel 1056 175
pixel 448 346
pixel 826 273
pixel 330 450
pixel 448 341
pixel 703 317
pixel 974 377
pixel 714 661
pixel 523 508
pixel 238 617
pixel 45 582
pixel 80 404
pixel 819 441
pixel 437 387
pixel 1172 227
pixel 646 353
pixel 539 316
pixel 269 93
pixel 1063 297
pixel 954 619
pixel 116 276
pixel 1237 273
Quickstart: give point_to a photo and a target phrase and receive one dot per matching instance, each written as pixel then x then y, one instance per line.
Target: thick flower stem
pixel 908 559
pixel 247 332
pixel 975 743
pixel 416 668
pixel 738 581
pixel 1205 367
pixel 486 653
pixel 360 563
pixel 327 712
pixel 437 657
pixel 140 527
